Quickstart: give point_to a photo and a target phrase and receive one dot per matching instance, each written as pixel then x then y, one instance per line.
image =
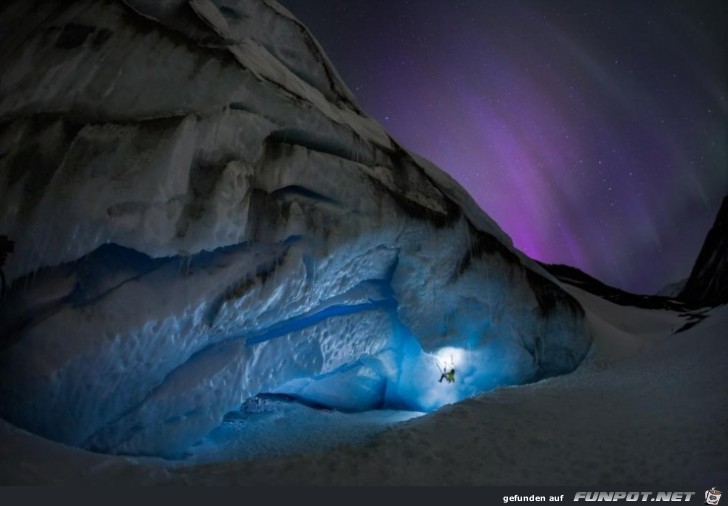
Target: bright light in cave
pixel 441 393
pixel 419 386
pixel 451 357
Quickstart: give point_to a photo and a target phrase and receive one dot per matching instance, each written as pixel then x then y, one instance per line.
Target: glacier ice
pixel 271 426
pixel 202 214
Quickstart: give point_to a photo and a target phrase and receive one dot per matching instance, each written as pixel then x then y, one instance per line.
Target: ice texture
pixel 202 213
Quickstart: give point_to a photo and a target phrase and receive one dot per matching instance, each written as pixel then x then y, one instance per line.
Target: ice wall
pixel 203 213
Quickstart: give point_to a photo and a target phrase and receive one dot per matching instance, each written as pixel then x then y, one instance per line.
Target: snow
pixel 278 428
pixel 93 107
pixel 672 290
pixel 203 214
pixel 647 407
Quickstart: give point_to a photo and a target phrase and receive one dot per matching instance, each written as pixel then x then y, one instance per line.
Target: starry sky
pixel 593 132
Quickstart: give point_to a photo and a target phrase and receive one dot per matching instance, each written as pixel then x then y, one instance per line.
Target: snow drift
pixel 202 213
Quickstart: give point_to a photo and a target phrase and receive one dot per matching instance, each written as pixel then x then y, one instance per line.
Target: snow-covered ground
pixel 276 428
pixel 647 407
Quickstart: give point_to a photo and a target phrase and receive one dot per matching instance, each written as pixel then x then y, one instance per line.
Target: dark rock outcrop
pixel 708 281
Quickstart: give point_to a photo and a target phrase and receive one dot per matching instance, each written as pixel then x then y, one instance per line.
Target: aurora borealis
pixel 593 132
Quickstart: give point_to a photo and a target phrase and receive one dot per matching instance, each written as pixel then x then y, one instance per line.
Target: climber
pixel 6 246
pixel 448 375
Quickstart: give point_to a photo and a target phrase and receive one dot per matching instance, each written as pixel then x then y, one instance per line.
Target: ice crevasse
pixel 203 213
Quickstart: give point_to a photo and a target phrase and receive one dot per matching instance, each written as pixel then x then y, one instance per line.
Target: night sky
pixel 593 132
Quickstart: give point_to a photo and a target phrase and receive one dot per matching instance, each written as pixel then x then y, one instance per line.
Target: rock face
pixel 203 213
pixel 708 281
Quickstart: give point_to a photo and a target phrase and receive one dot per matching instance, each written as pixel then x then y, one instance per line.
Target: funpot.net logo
pixel 634 496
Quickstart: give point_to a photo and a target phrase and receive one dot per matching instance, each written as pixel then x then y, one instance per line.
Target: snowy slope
pixel 649 407
pixel 672 289
pixel 202 213
pixel 575 277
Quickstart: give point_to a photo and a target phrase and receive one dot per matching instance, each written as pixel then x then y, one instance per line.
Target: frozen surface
pixel 269 428
pixel 649 407
pixel 202 213
pixel 672 289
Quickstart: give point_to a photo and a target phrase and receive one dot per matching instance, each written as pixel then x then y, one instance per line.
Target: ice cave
pixel 204 217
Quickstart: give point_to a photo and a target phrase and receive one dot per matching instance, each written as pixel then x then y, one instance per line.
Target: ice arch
pixel 203 213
